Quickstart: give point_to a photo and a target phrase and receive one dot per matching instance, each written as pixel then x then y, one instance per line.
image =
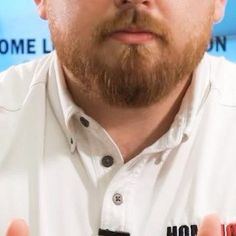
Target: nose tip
pixel 132 3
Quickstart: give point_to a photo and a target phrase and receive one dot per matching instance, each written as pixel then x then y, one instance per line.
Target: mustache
pixel 129 19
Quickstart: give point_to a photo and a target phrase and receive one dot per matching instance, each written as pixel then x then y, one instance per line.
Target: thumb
pixel 210 226
pixel 18 228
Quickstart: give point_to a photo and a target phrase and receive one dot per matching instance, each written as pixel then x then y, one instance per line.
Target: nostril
pixel 145 2
pixel 120 3
pixel 126 1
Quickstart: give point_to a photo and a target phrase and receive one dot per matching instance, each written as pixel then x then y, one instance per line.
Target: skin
pixel 77 19
pixel 18 227
pixel 210 226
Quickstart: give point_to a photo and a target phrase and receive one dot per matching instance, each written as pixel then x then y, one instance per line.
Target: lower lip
pixel 133 38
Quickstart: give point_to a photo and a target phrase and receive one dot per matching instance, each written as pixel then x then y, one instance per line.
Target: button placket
pixel 119 197
pixel 114 210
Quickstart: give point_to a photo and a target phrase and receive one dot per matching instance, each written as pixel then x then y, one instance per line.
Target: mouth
pixel 133 36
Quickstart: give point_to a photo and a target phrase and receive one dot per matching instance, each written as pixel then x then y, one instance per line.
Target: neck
pixel 124 125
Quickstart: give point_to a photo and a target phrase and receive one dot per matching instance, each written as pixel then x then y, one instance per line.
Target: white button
pixel 117 199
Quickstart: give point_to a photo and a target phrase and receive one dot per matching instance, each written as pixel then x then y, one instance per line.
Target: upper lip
pixel 134 30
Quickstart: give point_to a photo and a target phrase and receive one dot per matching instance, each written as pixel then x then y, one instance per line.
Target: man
pixel 126 129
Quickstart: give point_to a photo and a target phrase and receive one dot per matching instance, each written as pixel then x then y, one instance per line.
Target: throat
pixel 132 138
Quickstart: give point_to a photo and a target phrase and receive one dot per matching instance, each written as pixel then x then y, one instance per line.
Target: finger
pixel 18 228
pixel 231 229
pixel 210 226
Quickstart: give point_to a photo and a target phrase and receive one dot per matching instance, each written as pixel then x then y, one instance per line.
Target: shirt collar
pixel 196 95
pixel 191 105
pixel 65 109
pixel 62 102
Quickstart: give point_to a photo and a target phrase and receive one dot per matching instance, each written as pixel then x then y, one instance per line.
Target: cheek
pixel 187 24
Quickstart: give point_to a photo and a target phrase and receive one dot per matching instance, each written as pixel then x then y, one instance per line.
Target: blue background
pixel 23 35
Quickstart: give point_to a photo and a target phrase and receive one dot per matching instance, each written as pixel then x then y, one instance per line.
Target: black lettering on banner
pixel 4 47
pixel 24 46
pixel 20 46
pixel 31 46
pixel 218 44
pixel 45 49
pixel 17 47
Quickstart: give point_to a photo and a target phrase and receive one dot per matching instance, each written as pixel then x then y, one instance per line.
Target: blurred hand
pixel 210 226
pixel 18 228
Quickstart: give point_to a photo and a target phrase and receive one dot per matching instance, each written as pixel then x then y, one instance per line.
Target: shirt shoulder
pixel 223 79
pixel 16 82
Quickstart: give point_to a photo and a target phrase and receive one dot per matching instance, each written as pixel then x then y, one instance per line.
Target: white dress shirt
pixel 63 174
